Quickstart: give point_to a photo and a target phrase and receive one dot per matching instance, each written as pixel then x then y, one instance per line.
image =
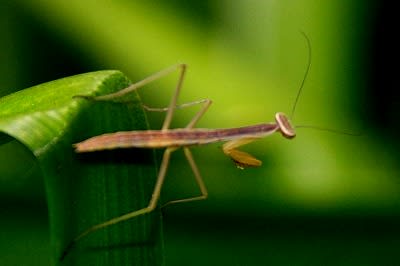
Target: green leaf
pixel 87 189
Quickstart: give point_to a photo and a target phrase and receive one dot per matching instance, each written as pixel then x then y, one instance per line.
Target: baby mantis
pixel 174 139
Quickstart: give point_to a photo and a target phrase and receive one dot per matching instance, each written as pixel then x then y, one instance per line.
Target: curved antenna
pixel 342 132
pixel 336 131
pixel 305 75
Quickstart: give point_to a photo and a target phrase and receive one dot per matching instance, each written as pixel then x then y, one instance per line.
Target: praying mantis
pixel 182 138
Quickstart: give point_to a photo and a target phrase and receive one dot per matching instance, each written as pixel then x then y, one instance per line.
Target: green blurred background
pixel 320 199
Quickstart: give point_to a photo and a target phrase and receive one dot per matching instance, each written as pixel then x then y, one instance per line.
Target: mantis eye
pixel 285 127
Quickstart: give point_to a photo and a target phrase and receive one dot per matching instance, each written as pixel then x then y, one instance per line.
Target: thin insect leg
pixel 139 84
pixel 174 99
pixel 179 106
pixel 199 180
pixel 191 161
pixel 196 118
pixel 151 206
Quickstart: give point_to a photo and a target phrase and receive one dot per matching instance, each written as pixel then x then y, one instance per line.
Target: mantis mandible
pixel 174 139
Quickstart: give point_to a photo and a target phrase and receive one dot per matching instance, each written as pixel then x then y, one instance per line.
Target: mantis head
pixel 285 126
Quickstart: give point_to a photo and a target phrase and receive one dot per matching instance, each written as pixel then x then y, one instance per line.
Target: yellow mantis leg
pixel 240 158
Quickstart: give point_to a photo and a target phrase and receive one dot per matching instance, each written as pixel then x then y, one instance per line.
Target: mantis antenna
pixel 304 77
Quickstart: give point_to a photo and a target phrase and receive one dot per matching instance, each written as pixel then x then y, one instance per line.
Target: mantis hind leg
pixel 150 207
